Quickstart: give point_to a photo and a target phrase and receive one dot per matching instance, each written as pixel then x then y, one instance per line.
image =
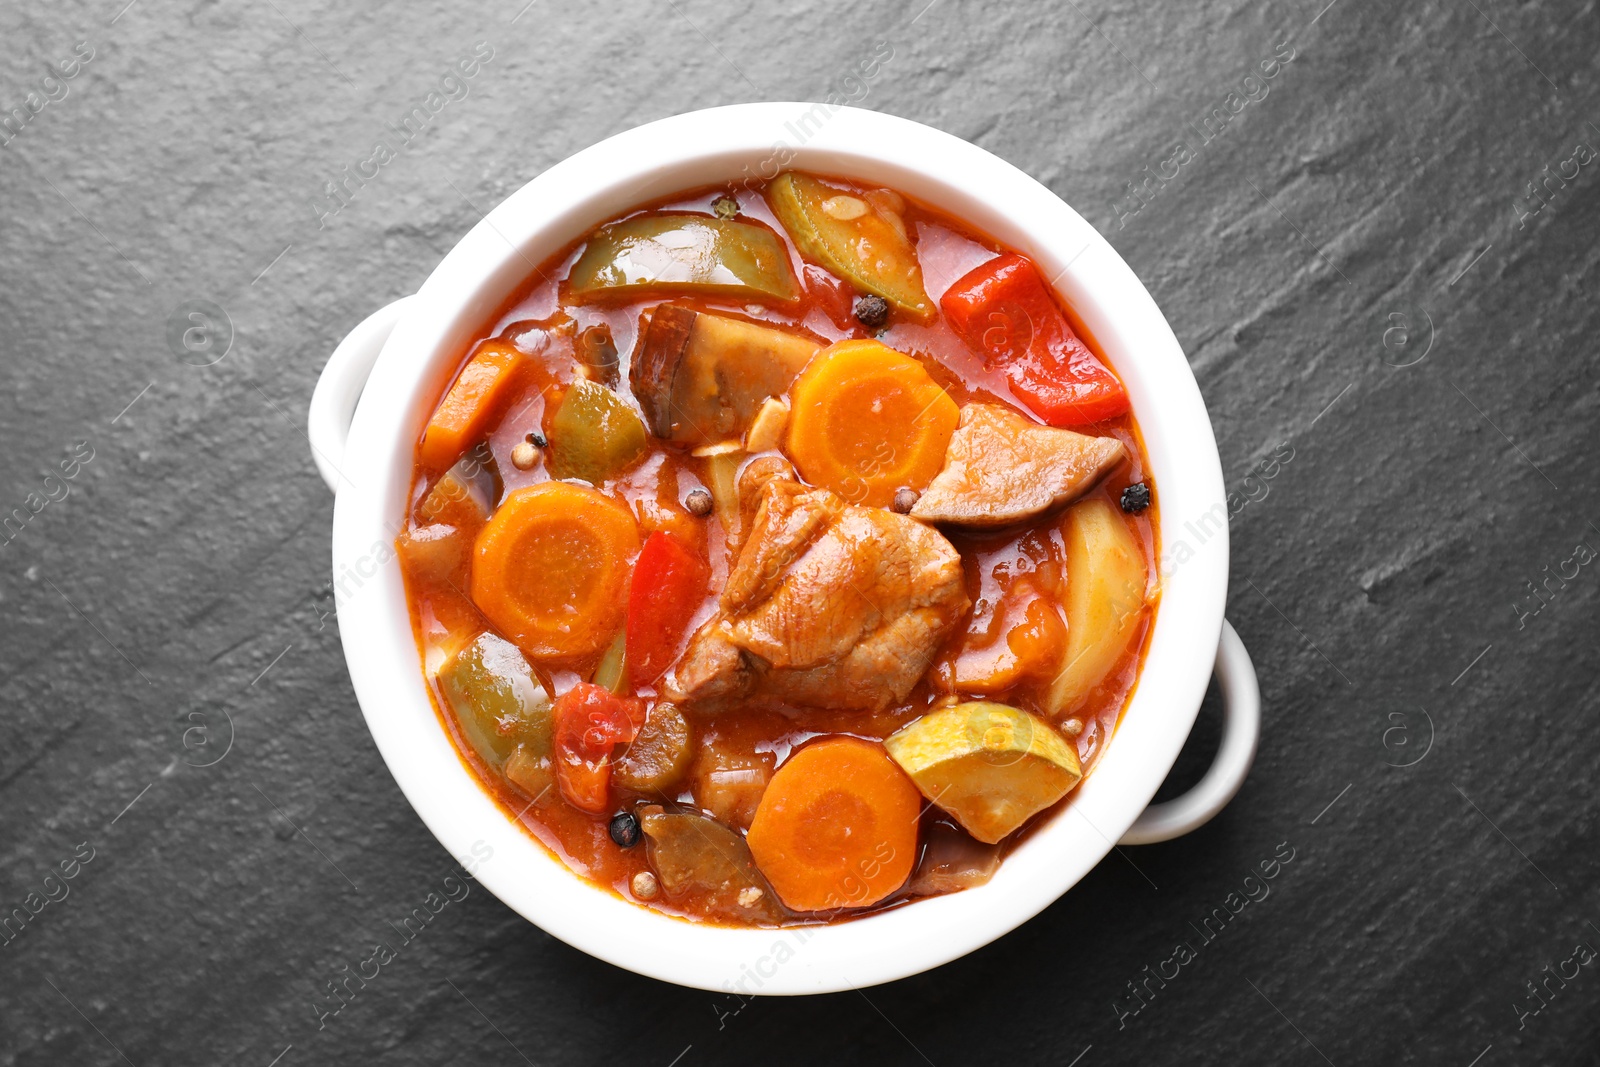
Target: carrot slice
pixel 481 389
pixel 551 568
pixel 837 826
pixel 868 420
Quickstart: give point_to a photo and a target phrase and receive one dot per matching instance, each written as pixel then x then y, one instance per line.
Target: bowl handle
pixel 1241 732
pixel 333 402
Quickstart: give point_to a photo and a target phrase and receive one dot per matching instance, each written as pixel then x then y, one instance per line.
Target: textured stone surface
pixel 184 573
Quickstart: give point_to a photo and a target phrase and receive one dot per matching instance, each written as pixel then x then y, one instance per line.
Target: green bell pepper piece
pixel 612 670
pixel 594 434
pixel 497 699
pixel 689 254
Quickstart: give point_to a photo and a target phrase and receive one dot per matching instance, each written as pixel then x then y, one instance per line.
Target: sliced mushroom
pixel 952 860
pixel 597 355
pixel 1001 469
pixel 664 337
pixel 694 854
pixel 701 378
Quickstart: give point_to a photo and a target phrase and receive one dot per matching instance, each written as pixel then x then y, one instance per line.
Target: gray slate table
pixel 1382 259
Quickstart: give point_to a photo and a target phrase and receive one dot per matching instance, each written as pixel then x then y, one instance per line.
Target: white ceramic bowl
pixel 368 461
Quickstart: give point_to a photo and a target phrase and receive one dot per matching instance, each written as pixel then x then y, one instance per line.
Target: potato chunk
pixel 989 765
pixel 1106 598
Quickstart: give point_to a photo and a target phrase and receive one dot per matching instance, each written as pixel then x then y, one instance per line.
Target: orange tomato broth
pixel 443 617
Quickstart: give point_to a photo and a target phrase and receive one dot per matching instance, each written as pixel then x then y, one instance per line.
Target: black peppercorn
pixel 1136 498
pixel 872 311
pixel 905 498
pixel 625 829
pixel 536 439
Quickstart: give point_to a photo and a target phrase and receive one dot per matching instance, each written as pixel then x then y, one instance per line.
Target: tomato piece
pixel 589 722
pixel 669 584
pixel 1002 309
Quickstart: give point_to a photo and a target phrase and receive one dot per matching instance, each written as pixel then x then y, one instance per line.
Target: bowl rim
pixel 471 284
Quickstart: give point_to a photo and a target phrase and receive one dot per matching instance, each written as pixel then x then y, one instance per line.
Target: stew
pixel 782 553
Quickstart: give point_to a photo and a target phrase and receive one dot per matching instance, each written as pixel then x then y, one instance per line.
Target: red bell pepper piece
pixel 590 721
pixel 1003 310
pixel 669 584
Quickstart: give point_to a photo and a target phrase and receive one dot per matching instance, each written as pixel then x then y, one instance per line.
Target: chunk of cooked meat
pixel 1000 469
pixel 828 605
pixel 754 478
